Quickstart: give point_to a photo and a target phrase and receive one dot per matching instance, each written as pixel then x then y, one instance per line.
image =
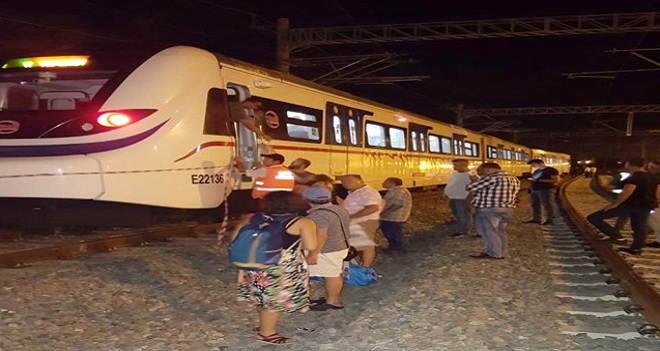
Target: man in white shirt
pixel 363 203
pixel 458 196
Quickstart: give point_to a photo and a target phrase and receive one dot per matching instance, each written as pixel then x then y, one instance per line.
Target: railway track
pixel 603 293
pixel 64 246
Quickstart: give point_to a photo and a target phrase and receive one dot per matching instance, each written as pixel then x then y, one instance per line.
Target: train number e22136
pixel 208 178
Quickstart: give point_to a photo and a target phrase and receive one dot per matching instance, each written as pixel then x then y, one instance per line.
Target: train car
pixel 560 161
pixel 158 131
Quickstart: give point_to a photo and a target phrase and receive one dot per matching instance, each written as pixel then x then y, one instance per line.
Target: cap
pixel 317 195
pixel 274 156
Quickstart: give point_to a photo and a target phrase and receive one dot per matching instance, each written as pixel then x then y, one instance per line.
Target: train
pixel 156 131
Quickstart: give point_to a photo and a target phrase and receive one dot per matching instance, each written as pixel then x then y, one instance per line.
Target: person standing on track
pixel 636 201
pixel 494 198
pixel 395 212
pixel 332 222
pixel 363 203
pixel 653 168
pixel 284 287
pixel 459 203
pixel 301 175
pixel 544 179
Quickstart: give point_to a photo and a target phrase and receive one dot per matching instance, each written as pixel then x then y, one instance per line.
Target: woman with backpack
pixel 283 286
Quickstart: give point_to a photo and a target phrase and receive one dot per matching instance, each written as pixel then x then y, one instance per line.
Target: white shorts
pixel 329 264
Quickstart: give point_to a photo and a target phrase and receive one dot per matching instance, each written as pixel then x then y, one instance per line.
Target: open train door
pixel 247 146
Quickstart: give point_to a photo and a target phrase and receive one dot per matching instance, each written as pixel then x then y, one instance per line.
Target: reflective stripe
pixel 278 178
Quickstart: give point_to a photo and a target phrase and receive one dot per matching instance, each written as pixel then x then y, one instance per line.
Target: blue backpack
pixel 259 243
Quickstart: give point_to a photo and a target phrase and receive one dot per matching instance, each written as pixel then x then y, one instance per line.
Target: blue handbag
pixel 360 275
pixel 355 275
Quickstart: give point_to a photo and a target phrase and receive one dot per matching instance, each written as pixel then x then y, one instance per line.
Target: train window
pixel 352 132
pixel 216 119
pixel 491 152
pixel 507 154
pixel 302 132
pixel 375 135
pixel 301 124
pixel 471 149
pixel 445 145
pixel 434 143
pixel 458 147
pixel 417 137
pixel 336 126
pixel 346 124
pixel 397 138
pixel 300 116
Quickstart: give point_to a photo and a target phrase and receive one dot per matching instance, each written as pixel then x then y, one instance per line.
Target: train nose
pixel 73 177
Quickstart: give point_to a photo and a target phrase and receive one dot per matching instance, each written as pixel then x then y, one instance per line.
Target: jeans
pixel 638 217
pixel 491 224
pixel 393 232
pixel 462 211
pixel 543 198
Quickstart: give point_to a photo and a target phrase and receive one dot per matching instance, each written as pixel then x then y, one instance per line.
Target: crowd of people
pixel 331 225
pixel 337 224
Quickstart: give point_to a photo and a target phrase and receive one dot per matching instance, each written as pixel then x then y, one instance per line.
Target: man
pixel 458 201
pixel 301 175
pixel 395 212
pixel 494 198
pixel 332 222
pixel 363 203
pixel 654 217
pixel 270 176
pixel 544 179
pixel 635 201
pixel 251 120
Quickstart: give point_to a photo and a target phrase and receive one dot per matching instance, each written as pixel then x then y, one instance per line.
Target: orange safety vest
pixel 277 178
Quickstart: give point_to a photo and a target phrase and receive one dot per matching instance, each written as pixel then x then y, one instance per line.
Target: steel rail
pixel 71 250
pixel 639 290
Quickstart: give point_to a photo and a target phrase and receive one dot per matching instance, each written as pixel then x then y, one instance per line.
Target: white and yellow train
pixel 157 132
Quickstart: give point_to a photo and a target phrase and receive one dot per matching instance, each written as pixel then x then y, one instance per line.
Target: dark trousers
pixel 542 200
pixel 638 217
pixel 393 232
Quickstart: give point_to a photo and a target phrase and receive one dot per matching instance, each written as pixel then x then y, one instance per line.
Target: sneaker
pixel 654 244
pixel 620 241
pixel 628 251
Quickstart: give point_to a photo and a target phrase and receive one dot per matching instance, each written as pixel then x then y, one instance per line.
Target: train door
pixel 247 146
pixel 336 137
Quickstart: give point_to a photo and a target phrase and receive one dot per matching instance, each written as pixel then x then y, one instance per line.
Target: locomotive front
pixel 73 129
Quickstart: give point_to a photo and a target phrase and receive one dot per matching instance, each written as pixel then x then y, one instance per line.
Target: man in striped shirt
pixel 494 198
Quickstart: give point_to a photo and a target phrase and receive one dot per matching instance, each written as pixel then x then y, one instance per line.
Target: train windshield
pixel 49 83
pixel 57 96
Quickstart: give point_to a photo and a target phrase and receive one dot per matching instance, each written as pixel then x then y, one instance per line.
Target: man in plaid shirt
pixel 494 198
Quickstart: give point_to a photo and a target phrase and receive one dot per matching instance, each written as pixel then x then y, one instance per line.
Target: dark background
pixel 479 73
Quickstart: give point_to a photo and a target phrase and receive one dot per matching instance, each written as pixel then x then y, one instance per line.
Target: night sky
pixel 480 73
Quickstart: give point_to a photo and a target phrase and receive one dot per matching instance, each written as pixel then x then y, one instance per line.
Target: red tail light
pixel 115 119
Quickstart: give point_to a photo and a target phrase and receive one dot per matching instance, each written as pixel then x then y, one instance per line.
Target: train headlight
pixel 113 119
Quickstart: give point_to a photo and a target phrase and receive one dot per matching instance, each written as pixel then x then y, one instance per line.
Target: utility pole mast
pixel 283 53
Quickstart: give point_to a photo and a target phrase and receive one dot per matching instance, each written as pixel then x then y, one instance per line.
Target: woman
pixel 283 287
